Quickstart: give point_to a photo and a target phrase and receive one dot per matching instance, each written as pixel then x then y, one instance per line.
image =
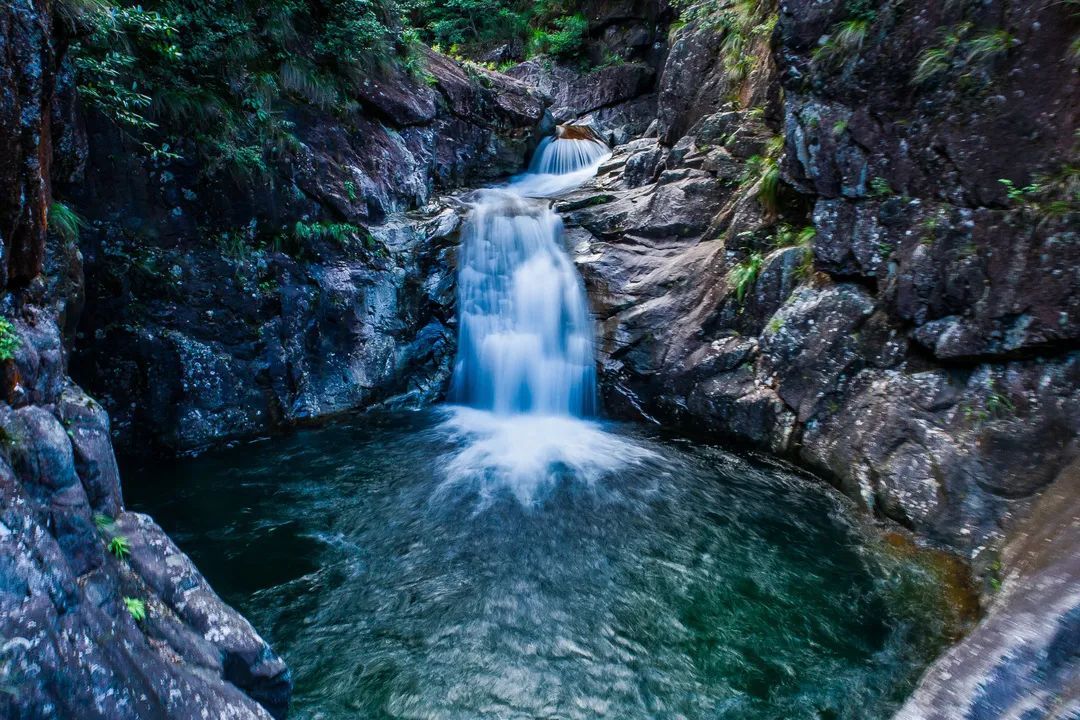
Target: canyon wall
pixel 70 642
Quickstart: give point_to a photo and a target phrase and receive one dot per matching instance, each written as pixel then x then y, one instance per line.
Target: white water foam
pixel 527 454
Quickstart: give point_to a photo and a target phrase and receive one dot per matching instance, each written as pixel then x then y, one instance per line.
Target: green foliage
pixel 566 38
pixel 839 127
pixel 995 406
pixel 845 39
pixel 787 236
pixel 745 274
pixel 741 23
pixel 340 233
pixel 1048 195
pixel 300 239
pixel 775 324
pixel 960 52
pixel 879 187
pixel 805 268
pixel 103 522
pixel 136 608
pixel 993 575
pixel 765 172
pixel 9 339
pixel 120 546
pixel 65 222
pixel 468 28
pixel 1019 193
pixel 220 73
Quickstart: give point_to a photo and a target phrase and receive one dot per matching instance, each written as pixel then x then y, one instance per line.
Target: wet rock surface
pixel 1022 660
pixel 908 346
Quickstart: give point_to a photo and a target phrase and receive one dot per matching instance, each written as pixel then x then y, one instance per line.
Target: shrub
pixel 567 37
pixel 216 71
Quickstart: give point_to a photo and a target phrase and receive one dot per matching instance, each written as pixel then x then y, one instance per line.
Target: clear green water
pixel 415 566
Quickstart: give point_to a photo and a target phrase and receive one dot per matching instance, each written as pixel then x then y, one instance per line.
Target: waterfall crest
pixel 525 338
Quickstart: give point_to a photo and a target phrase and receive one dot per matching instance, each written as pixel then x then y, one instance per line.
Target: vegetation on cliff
pixel 221 73
pixel 224 73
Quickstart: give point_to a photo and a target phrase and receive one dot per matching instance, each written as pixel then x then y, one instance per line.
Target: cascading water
pixel 526 338
pixel 525 368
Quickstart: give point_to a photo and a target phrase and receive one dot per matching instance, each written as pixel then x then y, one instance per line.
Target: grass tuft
pixel 65 222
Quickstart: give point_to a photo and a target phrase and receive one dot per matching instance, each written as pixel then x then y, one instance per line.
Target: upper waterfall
pixel 525 338
pixel 562 163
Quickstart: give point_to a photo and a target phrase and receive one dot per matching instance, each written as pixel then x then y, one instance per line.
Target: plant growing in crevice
pixel 746 273
pixel 764 171
pixel 844 40
pixel 1048 195
pixel 1021 194
pixel 741 24
pixel 65 222
pixel 960 52
pixel 9 340
pixel 879 187
pixel 805 268
pixel 787 236
pixel 340 233
pixel 136 608
pixel 995 406
pixel 993 576
pixel 119 546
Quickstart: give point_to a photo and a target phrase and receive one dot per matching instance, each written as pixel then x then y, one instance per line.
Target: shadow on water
pixel 420 565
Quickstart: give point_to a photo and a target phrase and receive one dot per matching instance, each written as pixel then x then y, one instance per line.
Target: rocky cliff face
pixel 217 310
pixel 70 642
pixel 808 278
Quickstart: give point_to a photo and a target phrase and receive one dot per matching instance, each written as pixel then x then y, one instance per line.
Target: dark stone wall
pixel 69 647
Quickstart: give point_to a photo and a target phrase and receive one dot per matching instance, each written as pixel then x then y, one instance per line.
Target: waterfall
pixel 525 343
